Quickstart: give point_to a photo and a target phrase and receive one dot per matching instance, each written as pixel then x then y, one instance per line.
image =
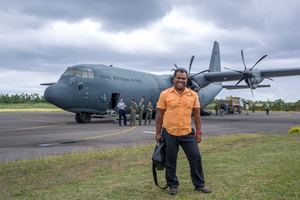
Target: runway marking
pixel 149 132
pixel 105 135
pixel 20 129
pixel 61 123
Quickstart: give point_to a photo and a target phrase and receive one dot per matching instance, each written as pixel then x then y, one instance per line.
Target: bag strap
pixel 155 178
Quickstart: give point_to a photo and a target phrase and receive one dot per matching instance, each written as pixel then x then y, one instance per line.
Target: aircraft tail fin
pixel 215 61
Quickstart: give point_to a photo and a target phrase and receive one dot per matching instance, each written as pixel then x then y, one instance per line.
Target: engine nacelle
pixel 255 79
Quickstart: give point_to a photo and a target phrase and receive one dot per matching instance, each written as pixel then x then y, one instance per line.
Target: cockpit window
pixel 82 72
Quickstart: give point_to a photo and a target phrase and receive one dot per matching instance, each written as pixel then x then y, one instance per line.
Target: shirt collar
pixel 186 90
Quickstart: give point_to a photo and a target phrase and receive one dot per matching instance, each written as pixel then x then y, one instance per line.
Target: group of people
pixel 134 108
pixel 224 108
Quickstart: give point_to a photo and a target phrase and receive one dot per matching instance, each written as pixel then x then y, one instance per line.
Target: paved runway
pixel 35 135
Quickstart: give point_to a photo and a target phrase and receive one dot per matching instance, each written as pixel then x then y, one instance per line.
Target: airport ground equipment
pixel 235 104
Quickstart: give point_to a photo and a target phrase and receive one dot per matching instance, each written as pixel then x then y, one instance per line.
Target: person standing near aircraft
pixel 222 109
pixel 133 110
pixel 226 108
pixel 217 108
pixel 175 106
pixel 149 109
pixel 253 107
pixel 247 108
pixel 141 109
pixel 121 107
pixel 267 108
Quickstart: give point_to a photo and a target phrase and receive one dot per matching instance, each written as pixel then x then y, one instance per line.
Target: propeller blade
pixel 242 53
pixel 258 61
pixel 201 72
pixel 196 84
pixel 234 70
pixel 175 66
pixel 269 78
pixel 191 62
pixel 239 81
pixel 250 85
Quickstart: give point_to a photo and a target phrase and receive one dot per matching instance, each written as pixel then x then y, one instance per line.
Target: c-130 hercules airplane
pixel 93 89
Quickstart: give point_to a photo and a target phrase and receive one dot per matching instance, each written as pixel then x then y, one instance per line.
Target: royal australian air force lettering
pixel 118 83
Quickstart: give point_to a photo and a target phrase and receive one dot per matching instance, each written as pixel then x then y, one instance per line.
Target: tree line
pixel 22 98
pixel 277 105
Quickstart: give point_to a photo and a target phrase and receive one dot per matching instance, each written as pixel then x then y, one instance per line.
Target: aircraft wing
pixel 222 76
pixel 46 84
pixel 230 87
pixel 265 73
pixel 280 72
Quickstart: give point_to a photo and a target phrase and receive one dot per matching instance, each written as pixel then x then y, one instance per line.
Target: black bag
pixel 158 160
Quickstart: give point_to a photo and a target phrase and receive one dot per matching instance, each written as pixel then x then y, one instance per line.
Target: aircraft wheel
pixel 85 117
pixel 77 118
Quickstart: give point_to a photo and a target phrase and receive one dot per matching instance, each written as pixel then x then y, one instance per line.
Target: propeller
pixel 247 73
pixel 192 84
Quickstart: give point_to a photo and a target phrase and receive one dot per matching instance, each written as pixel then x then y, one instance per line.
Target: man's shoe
pixel 204 190
pixel 173 191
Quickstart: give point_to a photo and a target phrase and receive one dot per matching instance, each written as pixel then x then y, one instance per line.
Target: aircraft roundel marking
pixel 104 97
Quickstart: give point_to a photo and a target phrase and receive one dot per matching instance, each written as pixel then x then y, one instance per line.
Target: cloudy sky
pixel 39 39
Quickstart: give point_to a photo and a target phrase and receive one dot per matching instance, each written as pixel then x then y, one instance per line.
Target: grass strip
pixel 28 107
pixel 242 166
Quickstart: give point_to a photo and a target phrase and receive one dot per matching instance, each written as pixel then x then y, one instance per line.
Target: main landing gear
pixel 83 117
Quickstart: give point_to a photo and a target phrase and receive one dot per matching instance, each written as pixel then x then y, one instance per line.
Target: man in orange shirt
pixel 175 107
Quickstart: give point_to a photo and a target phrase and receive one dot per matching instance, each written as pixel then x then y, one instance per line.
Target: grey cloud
pixel 258 27
pixel 115 15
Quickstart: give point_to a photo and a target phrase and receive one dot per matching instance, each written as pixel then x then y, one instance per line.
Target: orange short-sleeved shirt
pixel 177 117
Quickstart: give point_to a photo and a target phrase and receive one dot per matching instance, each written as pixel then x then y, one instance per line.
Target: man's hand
pixel 159 122
pixel 157 136
pixel 198 138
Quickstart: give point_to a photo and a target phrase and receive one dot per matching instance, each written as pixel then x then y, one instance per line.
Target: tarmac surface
pixel 37 135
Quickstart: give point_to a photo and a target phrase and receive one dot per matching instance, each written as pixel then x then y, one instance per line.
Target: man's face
pixel 142 100
pixel 180 80
pixel 121 100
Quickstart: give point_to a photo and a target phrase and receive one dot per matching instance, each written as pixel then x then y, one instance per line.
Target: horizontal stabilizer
pixel 231 87
pixel 46 84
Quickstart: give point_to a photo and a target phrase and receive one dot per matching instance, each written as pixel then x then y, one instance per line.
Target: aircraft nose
pixel 59 95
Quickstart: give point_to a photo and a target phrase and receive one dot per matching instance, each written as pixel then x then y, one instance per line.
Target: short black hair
pixel 180 69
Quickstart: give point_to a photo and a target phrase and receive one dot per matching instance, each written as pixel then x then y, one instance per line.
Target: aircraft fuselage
pixel 94 89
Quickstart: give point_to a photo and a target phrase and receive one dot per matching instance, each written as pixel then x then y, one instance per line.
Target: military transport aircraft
pixel 92 89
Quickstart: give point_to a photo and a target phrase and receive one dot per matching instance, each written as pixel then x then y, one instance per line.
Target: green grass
pixel 242 166
pixel 28 107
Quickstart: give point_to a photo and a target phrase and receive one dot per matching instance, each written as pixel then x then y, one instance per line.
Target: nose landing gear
pixel 83 117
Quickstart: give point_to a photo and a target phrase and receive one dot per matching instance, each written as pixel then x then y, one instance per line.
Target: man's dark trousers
pixel 190 147
pixel 122 113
